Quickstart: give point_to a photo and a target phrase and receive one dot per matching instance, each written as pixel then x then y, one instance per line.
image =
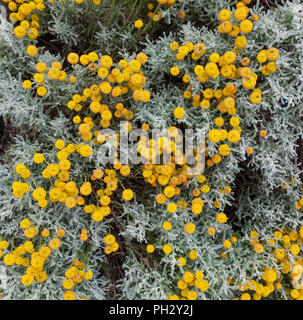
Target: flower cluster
pixel 73 277
pixel 26 255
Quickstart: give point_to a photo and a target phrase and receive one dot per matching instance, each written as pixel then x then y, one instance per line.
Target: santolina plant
pixel 158 150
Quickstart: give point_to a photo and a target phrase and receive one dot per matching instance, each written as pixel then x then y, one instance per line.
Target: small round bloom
pixel 54 243
pixel 25 223
pixel 20 32
pixel 179 113
pixel 41 91
pixel 60 233
pixel 69 295
pixel 150 248
pixel 32 50
pixel 68 284
pixel 221 217
pixel 27 279
pixel 138 24
pixel 258 248
pixel 263 133
pixel 172 207
pixel 167 249
pixel 174 71
pixel 166 225
pixel 38 158
pixel 193 255
pixel 27 84
pixel 73 58
pixel 109 239
pixel 190 228
pixel 127 194
pixel 246 26
pixel 227 244
pixel 224 15
pixel 41 67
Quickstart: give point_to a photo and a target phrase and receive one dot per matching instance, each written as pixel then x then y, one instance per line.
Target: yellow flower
pixel 27 84
pixel 240 42
pixel 214 135
pixel 172 207
pixel 27 279
pixel 169 191
pixel 179 113
pixel 42 203
pixel 246 26
pixel 86 188
pixel 197 208
pixel 167 249
pixel 193 255
pixel 41 91
pixel 45 233
pixel 127 194
pixel 88 275
pixel 54 243
pixel 73 58
pixel 174 46
pixel 3 244
pixel 224 15
pixel 214 57
pixel 190 228
pixel 39 194
pixel 138 24
pixel 109 239
pixel 41 276
pixel 106 61
pixel 245 296
pixel 221 217
pixel 174 71
pixel 38 158
pixel 263 133
pixel 105 87
pixel 92 57
pixel 241 13
pixel 39 77
pixel 69 295
pixel 32 50
pixel 70 202
pixel 141 57
pixel 30 232
pixel 9 259
pixel 166 225
pixel 25 223
pixel 227 244
pixel 72 79
pixel 272 54
pixel 20 32
pixel 188 277
pixel 60 144
pixel 44 252
pixel 211 231
pixel 258 248
pixel 229 57
pixel 41 67
pixel 256 96
pixel 135 65
pixel 233 136
pixel 85 151
pixel 60 233
pixel 68 284
pixel 150 248
pixel 249 150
